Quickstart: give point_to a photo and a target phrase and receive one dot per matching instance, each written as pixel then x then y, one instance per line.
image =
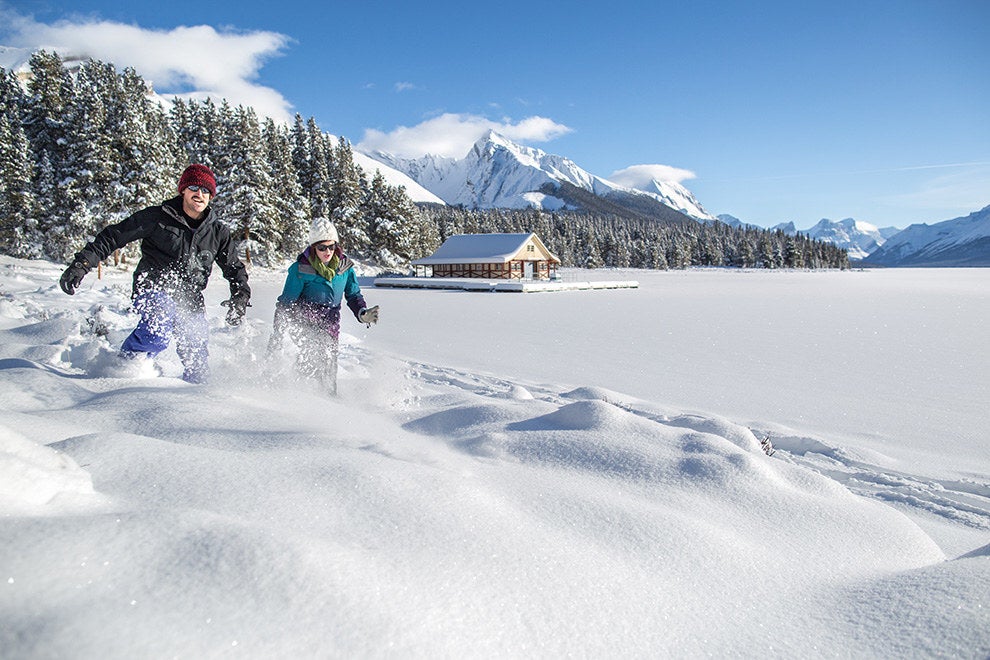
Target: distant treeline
pixel 85 146
pixel 595 240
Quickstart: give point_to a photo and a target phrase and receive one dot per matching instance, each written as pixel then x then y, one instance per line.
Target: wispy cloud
pixel 404 86
pixel 965 189
pixel 811 174
pixel 913 168
pixel 452 135
pixel 640 176
pixel 188 61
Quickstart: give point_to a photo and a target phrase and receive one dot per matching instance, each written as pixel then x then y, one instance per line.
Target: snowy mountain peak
pixel 848 225
pixel 858 237
pixel 500 173
pixel 669 192
pixel 493 139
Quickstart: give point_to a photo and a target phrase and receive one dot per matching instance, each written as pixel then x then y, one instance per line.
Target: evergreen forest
pixel 84 146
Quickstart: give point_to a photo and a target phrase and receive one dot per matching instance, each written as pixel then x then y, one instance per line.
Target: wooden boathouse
pixel 490 256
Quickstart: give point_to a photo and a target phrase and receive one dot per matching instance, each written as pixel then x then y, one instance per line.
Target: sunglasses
pixel 325 247
pixel 199 189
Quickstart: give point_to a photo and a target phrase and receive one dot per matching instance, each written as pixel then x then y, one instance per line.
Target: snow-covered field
pixel 509 475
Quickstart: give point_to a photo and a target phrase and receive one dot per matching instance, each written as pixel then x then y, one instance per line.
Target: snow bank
pixel 32 474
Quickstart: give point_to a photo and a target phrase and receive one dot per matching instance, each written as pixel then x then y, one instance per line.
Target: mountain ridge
pixel 959 242
pixel 499 173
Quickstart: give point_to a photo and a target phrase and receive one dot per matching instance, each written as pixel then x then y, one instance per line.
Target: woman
pixel 309 307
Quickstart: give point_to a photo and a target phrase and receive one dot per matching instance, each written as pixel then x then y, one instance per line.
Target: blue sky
pixel 769 111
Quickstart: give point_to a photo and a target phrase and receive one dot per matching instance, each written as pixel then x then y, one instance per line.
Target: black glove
pixel 236 307
pixel 73 277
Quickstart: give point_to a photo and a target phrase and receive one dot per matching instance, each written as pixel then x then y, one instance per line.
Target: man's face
pixel 195 200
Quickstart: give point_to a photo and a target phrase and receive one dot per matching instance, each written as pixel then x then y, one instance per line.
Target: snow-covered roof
pixel 484 249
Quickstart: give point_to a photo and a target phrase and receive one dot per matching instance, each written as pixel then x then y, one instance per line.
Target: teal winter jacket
pixel 310 298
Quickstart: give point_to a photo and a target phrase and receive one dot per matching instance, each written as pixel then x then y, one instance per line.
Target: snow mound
pixel 107 363
pixel 518 393
pixel 594 393
pixel 33 474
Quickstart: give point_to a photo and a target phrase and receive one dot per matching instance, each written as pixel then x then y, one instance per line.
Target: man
pixel 181 239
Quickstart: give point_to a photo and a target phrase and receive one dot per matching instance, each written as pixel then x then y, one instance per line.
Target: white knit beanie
pixel 322 230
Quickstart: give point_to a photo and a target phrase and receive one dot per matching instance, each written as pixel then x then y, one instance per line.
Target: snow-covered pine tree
pixel 746 255
pixel 397 231
pixel 249 200
pixel 315 171
pixel 291 220
pixel 17 207
pixel 711 248
pixel 302 161
pixel 540 225
pixel 221 155
pixel 180 118
pixel 145 145
pixel 770 255
pixel 48 86
pixel 377 219
pixel 794 252
pixel 657 258
pixel 618 252
pixel 18 222
pixel 193 124
pixel 418 235
pixel 347 185
pixel 88 170
pixel 678 253
pixel 591 256
pixel 80 153
pixel 12 96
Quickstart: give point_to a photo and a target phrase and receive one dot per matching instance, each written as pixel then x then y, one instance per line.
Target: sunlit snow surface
pixel 507 474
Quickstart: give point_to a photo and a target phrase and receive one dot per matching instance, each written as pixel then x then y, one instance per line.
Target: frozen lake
pixel 893 360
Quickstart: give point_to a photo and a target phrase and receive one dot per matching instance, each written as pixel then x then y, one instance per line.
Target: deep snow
pixel 508 474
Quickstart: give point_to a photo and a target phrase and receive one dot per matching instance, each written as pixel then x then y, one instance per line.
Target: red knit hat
pixel 198 175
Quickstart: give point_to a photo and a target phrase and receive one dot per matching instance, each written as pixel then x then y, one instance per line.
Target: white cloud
pixel 404 86
pixel 452 135
pixel 640 176
pixel 187 61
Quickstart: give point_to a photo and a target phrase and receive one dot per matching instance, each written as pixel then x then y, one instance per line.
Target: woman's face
pixel 324 250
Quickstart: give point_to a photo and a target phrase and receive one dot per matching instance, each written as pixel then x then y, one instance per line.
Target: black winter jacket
pixel 175 258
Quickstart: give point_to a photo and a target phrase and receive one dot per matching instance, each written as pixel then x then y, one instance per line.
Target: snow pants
pixel 317 357
pixel 315 330
pixel 162 319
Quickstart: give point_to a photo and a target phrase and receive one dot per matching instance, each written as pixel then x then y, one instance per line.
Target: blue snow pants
pixel 161 321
